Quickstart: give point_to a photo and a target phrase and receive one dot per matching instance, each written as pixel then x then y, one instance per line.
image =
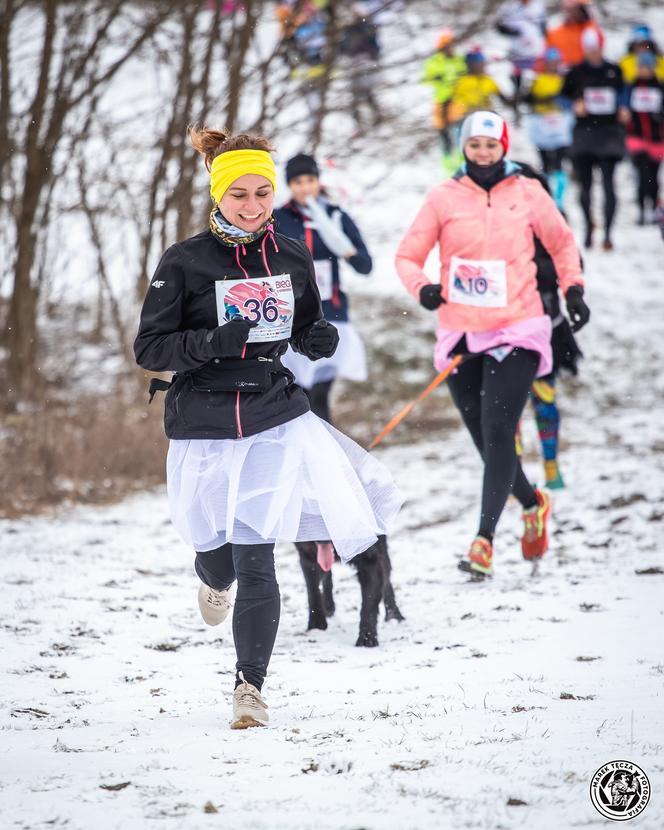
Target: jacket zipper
pixel 238 419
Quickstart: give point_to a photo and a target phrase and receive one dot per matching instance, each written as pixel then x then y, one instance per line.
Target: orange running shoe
pixel 480 559
pixel 534 542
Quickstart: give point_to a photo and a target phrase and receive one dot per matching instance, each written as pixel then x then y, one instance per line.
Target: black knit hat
pixel 301 165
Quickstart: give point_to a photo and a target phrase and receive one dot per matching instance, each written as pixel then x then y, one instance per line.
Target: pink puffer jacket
pixel 475 225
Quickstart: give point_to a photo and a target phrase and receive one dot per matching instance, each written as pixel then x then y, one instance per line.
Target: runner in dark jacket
pixel 179 332
pixel 248 463
pixel 645 133
pixel 330 236
pixel 566 353
pixel 596 90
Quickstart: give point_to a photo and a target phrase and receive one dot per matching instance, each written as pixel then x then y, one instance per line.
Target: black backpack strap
pixel 158 385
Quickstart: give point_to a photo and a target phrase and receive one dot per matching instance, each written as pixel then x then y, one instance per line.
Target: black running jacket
pixel 180 310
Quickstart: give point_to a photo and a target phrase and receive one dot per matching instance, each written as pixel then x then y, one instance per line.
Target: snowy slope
pixel 109 676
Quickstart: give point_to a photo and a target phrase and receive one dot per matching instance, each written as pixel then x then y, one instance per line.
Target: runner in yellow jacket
pixel 476 90
pixel 641 41
pixel 442 70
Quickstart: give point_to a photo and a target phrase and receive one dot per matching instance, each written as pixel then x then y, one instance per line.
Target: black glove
pixel 229 340
pixel 320 340
pixel 578 311
pixel 431 296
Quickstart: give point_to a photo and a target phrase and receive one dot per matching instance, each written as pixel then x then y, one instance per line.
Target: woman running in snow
pixel 551 122
pixel 596 90
pixel 330 236
pixel 248 462
pixel 442 70
pixel 483 220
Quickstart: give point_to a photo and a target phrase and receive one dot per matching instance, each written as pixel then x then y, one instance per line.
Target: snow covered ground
pixel 490 707
pixel 111 680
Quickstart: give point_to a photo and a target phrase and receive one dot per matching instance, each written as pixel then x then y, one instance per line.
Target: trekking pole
pixel 398 418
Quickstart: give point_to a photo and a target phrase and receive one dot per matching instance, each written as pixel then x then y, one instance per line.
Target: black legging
pixel 583 166
pixel 319 398
pixel 648 172
pixel 257 602
pixel 490 396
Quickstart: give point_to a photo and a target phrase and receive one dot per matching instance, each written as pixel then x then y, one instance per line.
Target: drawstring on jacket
pixel 269 232
pixel 240 246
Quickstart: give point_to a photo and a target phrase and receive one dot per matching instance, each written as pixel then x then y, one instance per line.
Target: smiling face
pixel 303 186
pixel 248 202
pixel 482 150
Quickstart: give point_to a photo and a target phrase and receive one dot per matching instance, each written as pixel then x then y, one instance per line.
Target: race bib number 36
pixel 266 301
pixel 478 282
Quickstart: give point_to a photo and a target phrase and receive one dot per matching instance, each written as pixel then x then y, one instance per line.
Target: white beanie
pixel 487 124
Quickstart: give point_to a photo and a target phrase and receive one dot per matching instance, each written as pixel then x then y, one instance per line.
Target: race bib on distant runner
pixel 555 121
pixel 646 99
pixel 599 100
pixel 323 268
pixel 478 282
pixel 267 301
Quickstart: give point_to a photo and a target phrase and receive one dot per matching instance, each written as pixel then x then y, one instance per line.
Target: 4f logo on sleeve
pixel 158 283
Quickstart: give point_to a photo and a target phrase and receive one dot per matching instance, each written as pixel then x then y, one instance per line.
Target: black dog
pixel 373 572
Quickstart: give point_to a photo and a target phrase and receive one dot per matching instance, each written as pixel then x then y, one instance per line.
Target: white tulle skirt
pixel 349 360
pixel 300 481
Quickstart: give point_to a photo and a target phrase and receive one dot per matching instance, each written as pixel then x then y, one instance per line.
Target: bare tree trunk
pixel 77 81
pixel 187 218
pixel 241 38
pixel 332 37
pixel 124 341
pixel 6 16
pixel 22 320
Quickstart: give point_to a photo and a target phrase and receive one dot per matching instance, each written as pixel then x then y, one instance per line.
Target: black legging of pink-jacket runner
pixel 490 396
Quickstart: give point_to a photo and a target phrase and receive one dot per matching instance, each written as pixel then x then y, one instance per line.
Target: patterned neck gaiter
pixel 230 235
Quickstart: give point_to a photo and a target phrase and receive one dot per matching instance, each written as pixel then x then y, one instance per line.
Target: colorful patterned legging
pixel 543 397
pixel 547 417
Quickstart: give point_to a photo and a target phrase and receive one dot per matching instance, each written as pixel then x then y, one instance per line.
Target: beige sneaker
pixel 214 605
pixel 249 708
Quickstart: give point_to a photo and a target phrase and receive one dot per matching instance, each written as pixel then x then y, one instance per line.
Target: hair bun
pixel 211 143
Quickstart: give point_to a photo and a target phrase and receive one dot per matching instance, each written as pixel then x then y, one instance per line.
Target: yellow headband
pixel 228 167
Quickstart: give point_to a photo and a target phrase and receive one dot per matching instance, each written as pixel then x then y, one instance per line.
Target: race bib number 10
pixel 267 301
pixel 478 282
